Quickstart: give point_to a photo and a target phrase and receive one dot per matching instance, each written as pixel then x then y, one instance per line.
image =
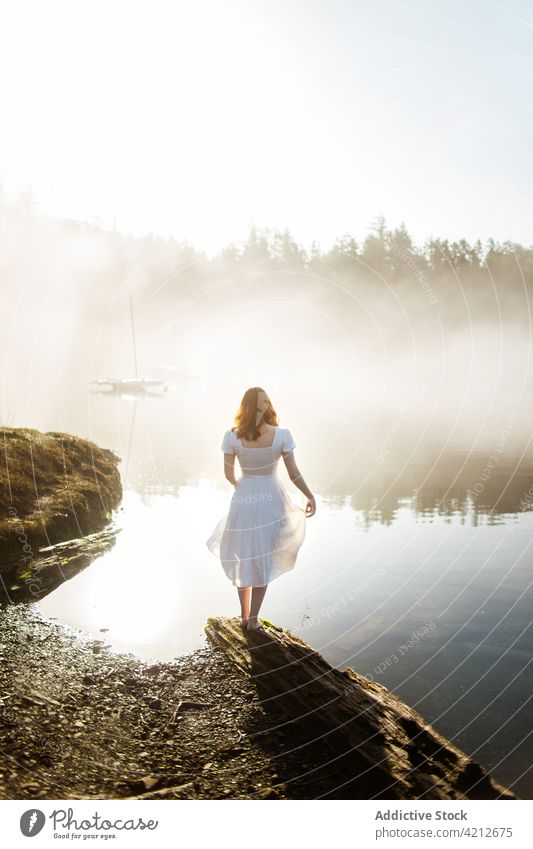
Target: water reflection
pixel 157 585
pixel 480 486
pixel 419 577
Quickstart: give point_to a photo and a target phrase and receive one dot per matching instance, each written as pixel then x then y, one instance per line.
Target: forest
pixel 386 256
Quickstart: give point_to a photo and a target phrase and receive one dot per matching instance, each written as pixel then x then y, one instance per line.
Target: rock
pixel 182 791
pixel 265 793
pixel 38 698
pixel 58 563
pixel 391 752
pixel 147 782
pixel 53 487
pixel 189 705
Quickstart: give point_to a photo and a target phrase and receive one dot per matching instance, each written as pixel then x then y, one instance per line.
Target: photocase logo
pixel 31 822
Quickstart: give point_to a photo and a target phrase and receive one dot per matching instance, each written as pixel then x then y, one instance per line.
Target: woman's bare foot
pixel 244 621
pixel 253 624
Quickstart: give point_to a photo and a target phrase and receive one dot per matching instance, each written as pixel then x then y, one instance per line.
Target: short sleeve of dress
pixel 228 443
pixel 288 441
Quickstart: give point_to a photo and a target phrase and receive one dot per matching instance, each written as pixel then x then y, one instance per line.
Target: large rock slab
pixel 393 752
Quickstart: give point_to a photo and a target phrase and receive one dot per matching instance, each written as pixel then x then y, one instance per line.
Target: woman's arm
pixel 229 468
pixel 297 479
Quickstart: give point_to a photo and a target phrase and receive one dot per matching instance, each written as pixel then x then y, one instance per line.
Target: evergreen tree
pixel 375 252
pixel 342 258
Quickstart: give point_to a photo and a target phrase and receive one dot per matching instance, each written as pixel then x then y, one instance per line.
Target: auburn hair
pixel 246 416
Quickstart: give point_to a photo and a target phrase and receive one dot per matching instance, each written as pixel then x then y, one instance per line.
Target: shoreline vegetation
pixel 464 280
pixel 252 715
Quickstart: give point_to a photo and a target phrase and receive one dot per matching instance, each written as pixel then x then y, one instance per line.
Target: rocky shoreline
pixel 82 722
pixel 79 721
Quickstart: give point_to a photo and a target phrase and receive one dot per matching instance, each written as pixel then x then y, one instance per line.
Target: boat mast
pixel 133 336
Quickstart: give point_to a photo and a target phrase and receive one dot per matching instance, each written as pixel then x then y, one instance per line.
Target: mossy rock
pixel 53 487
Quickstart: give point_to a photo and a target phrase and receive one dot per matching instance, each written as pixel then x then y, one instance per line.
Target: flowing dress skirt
pixel 259 538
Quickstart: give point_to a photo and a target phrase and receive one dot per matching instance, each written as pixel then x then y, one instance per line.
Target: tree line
pixel 386 253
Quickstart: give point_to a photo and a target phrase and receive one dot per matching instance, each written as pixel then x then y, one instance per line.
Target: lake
pixel 415 571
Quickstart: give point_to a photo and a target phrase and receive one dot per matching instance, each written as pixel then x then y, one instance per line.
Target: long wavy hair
pixel 246 417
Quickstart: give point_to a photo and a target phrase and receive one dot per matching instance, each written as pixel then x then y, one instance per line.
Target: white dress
pixel 259 538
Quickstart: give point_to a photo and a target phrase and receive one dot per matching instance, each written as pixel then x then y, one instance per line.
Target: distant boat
pixel 129 382
pixel 130 385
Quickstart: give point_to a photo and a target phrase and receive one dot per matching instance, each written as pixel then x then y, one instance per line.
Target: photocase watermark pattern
pixel 494 458
pixel 418 273
pixel 340 603
pixel 416 392
pixel 252 498
pixel 394 657
pixel 33 581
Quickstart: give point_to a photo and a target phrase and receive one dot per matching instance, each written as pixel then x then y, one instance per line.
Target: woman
pixel 259 538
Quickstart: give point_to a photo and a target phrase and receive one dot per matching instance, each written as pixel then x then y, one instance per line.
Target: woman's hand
pixel 310 509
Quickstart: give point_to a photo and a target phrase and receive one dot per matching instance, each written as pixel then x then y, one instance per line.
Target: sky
pixel 198 119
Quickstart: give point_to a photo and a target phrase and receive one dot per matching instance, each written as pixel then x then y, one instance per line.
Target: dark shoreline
pixel 81 722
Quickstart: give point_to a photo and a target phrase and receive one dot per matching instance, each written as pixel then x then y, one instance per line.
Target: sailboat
pixel 133 385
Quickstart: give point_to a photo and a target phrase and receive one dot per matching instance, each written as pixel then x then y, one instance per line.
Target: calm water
pixel 420 577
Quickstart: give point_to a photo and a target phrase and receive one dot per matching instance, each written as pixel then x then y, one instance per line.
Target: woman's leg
pixel 258 594
pixel 244 598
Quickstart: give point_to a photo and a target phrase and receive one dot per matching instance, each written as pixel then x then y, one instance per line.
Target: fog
pixel 366 350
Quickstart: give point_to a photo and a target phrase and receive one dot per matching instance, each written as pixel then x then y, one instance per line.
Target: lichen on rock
pixel 53 487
